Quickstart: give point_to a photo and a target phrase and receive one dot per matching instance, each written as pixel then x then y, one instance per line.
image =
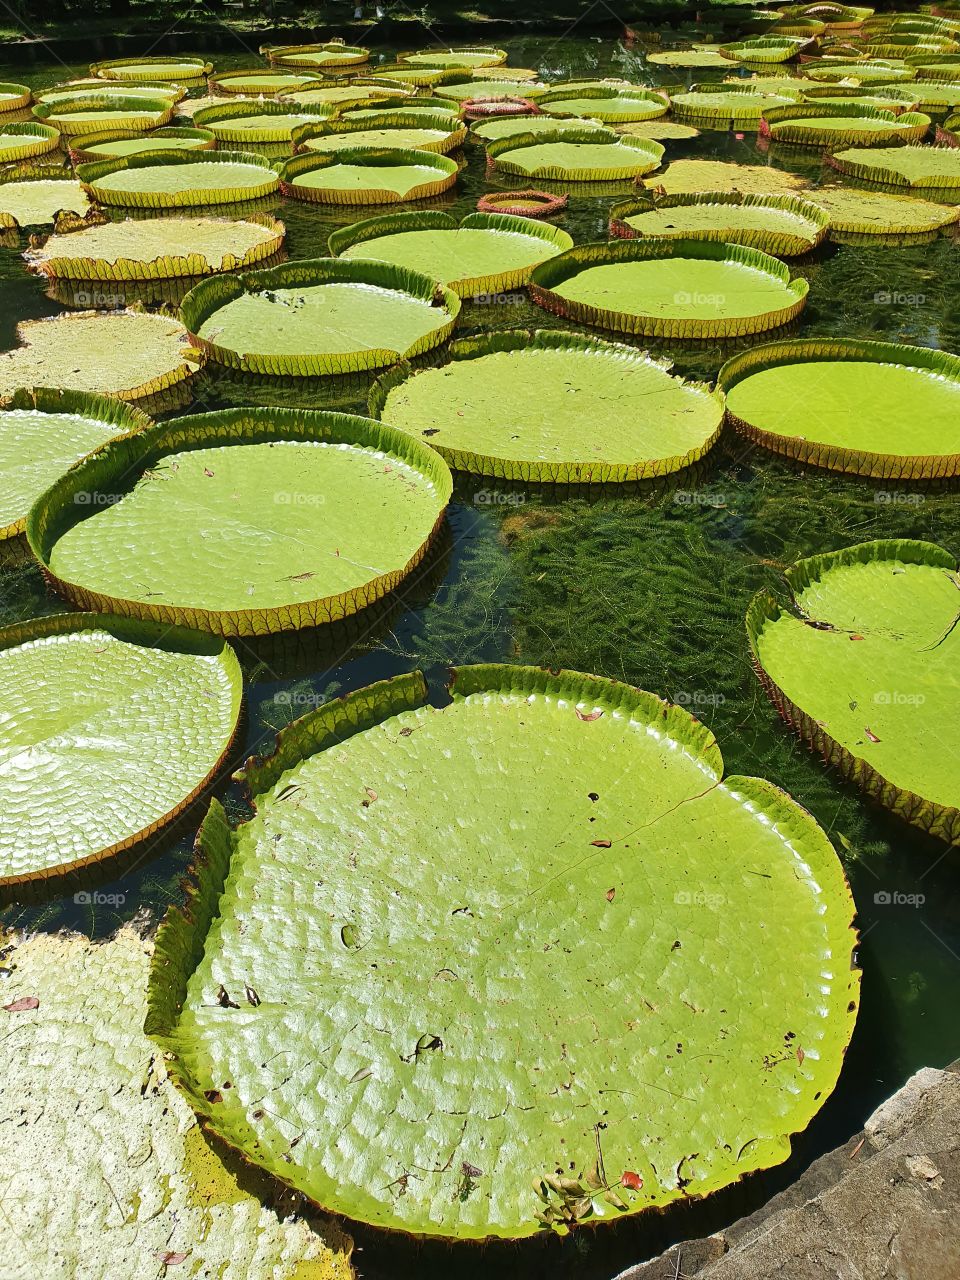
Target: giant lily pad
pixel 763 49
pixel 21 140
pixel 404 74
pixel 781 225
pixel 474 56
pixel 925 168
pixel 485 253
pixel 552 407
pixel 611 106
pixel 859 72
pixel 262 82
pixel 177 180
pixel 404 105
pixel 367 175
pixel 120 142
pixel 842 124
pixel 716 175
pixel 319 317
pixel 871 408
pixel 836 17
pixel 670 288
pixel 42 433
pixel 249 121
pixel 14 97
pixel 876 218
pixel 596 155
pixel 864 668
pixel 180 70
pixel 338 96
pixel 699 58
pixel 29 202
pixel 143 358
pixel 255 525
pixel 730 104
pixel 92 87
pixel 158 248
pixel 470 87
pixel 178 1195
pixel 400 131
pixel 547 1036
pixel 110 729
pixel 89 115
pixel 334 55
pixel 511 126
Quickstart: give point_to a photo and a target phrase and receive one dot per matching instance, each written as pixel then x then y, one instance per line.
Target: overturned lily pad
pixel 177 180
pixel 868 408
pixel 263 82
pixel 158 248
pixel 717 175
pixel 249 121
pixel 23 139
pixel 863 667
pixel 151 1186
pixel 333 55
pixel 472 56
pixel 112 729
pixel 180 70
pixel 145 359
pixel 610 106
pixel 44 432
pixel 841 124
pixel 254 528
pixel 782 225
pixel 89 115
pixel 367 175
pixel 878 218
pixel 670 288
pixel 33 201
pixel 666 900
pixel 552 407
pixel 926 168
pixel 399 131
pixel 727 105
pixel 485 253
pixel 121 142
pixel 319 317
pixel 595 155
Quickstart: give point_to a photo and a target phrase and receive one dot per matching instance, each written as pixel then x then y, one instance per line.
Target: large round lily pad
pixel 263 82
pixel 864 667
pixel 143 358
pixel 471 87
pixel 180 70
pixel 402 131
pixel 595 155
pixel 926 168
pixel 321 316
pixel 718 175
pixel 623 968
pixel 765 49
pixel 474 56
pixel 111 728
pixel 871 408
pixel 158 248
pixel 14 97
pixel 23 139
pixel 92 87
pixel 700 58
pixel 553 407
pixel 781 225
pixel 367 175
pixel 876 217
pixel 612 106
pixel 332 56
pixel 174 180
pixel 42 432
pixel 243 522
pixel 670 288
pixel 89 115
pixel 30 202
pixel 859 72
pixel 842 124
pixel 510 126
pixel 106 143
pixel 727 104
pixel 485 253
pixel 248 121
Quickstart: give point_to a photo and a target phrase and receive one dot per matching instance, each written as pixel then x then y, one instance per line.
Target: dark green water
pixel 649 587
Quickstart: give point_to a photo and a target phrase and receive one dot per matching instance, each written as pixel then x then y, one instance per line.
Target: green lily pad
pixel 254 528
pixel 262 82
pixel 765 49
pixel 30 202
pixel 185 71
pixel 406 75
pixel 870 408
pixel 670 288
pixel 118 142
pixel 177 180
pixel 153 1186
pixel 876 218
pixel 781 225
pixel 334 55
pixel 158 248
pixel 842 124
pixel 859 72
pixel 24 139
pixel 689 58
pixel 836 17
pixel 728 105
pixel 693 176
pixel 884 99
pixel 336 95
pixel 511 126
pixel 522 401
pixel 485 253
pixel 145 359
pixel 367 175
pixel 250 121
pixel 420 131
pixel 659 130
pixel 111 730
pixel 460 91
pixel 475 56
pixel 89 115
pixel 92 87
pixel 42 433
pixel 14 97
pixel 321 316
pixel 925 168
pixel 935 97
pixel 610 106
pixel 633 872
pixel 866 673
pixel 595 155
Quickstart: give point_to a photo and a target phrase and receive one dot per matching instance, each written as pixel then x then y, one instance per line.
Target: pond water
pixel 650 587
